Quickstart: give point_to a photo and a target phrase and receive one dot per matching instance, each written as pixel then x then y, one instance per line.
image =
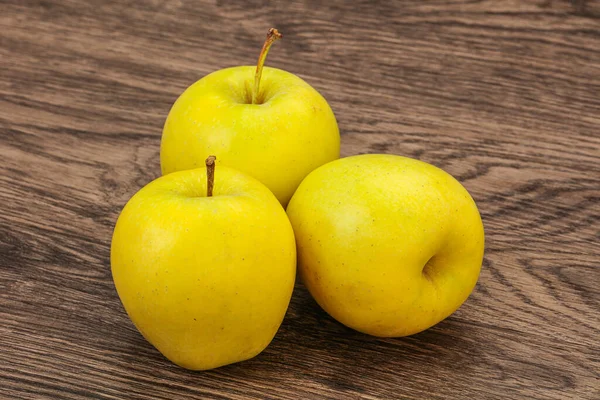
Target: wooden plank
pixel 505 95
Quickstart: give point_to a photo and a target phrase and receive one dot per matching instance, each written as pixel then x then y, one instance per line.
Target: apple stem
pixel 210 175
pixel 272 36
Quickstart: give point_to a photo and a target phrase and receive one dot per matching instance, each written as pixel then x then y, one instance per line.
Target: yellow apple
pixel 270 124
pixel 387 245
pixel 205 277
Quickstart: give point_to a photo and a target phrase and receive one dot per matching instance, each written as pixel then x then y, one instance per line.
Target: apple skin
pixel 387 245
pixel 278 142
pixel 206 280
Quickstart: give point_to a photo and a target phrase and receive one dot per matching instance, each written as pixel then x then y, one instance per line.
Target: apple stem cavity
pixel 210 175
pixel 272 36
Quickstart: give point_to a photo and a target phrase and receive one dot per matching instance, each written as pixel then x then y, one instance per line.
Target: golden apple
pixel 269 124
pixel 387 245
pixel 205 274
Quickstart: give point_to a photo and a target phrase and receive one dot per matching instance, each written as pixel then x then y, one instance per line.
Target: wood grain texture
pixel 504 95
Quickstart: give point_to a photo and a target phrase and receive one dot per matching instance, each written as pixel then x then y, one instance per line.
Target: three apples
pixel 204 258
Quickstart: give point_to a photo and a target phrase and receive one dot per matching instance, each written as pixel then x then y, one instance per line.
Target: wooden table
pixel 504 95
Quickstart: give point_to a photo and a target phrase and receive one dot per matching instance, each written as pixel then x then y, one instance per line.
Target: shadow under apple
pixel 313 350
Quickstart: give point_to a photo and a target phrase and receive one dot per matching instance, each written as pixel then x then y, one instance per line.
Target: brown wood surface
pixel 505 95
